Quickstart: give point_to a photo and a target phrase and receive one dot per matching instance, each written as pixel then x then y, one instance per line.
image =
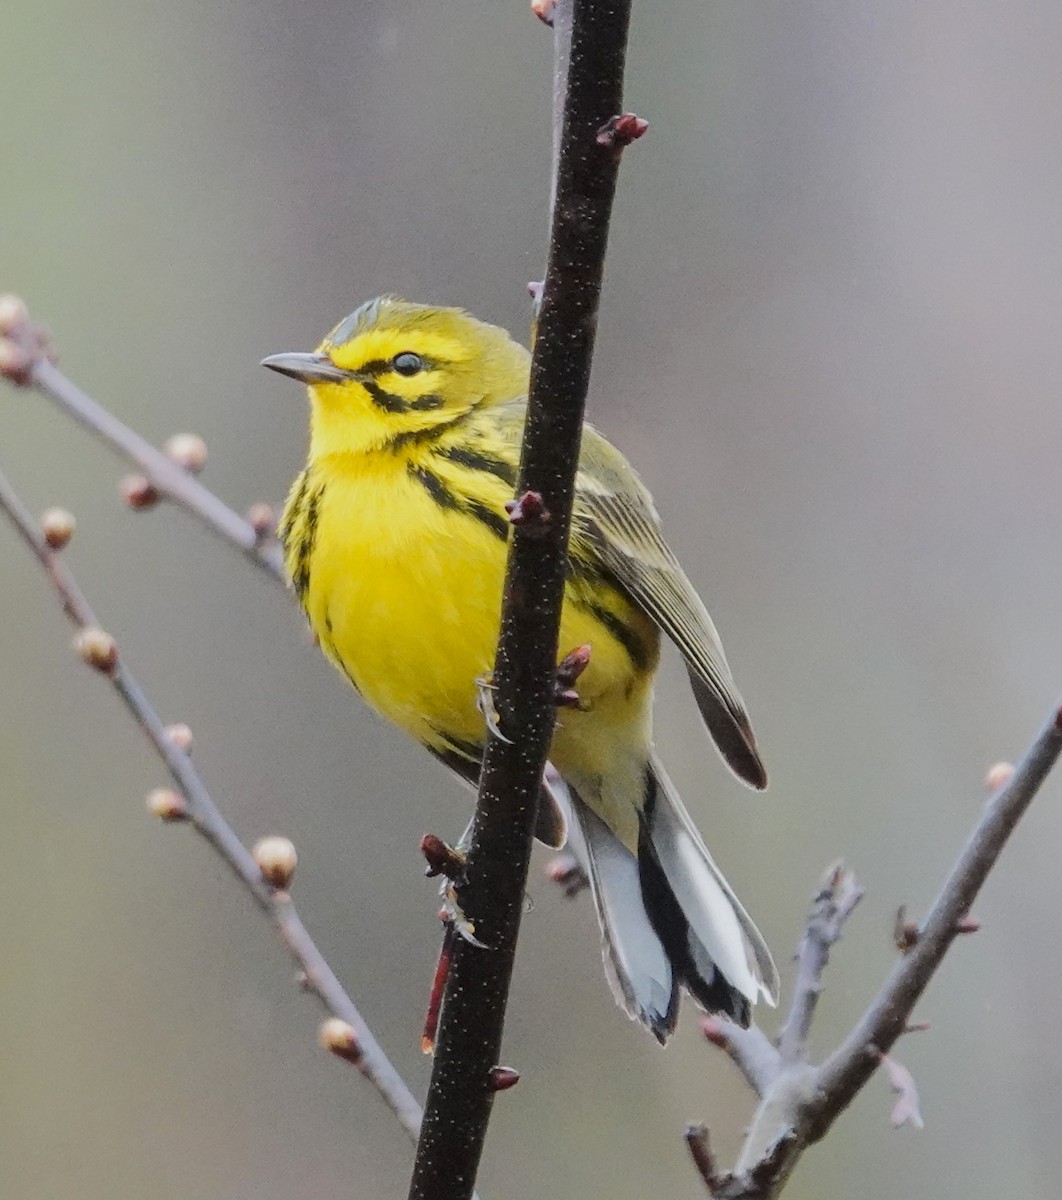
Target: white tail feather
pixel 636 963
pixel 714 913
pixel 720 938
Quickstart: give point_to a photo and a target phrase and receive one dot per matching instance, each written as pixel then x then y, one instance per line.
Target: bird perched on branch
pixel 395 538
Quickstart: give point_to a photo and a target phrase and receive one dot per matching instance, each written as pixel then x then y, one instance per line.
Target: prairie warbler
pixel 395 537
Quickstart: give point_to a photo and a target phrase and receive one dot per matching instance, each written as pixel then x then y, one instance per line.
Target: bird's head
pixel 394 371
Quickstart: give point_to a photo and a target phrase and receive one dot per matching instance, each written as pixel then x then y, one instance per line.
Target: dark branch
pixel 703 1159
pixel 469 1043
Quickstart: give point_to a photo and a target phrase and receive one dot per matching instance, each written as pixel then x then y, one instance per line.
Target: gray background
pixel 830 341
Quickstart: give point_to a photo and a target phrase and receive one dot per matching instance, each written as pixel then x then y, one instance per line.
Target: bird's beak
pixel 309 368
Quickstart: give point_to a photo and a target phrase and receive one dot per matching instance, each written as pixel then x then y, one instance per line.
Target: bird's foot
pixel 485 688
pixel 453 913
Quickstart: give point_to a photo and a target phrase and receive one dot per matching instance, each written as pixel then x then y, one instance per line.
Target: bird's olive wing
pixel 616 527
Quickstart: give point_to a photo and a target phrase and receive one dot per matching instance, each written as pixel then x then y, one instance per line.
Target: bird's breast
pixel 404 594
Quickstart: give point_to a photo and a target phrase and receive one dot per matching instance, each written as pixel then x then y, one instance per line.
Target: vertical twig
pixel 462 1088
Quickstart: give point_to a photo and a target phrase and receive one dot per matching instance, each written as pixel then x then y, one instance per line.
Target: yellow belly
pixel 405 597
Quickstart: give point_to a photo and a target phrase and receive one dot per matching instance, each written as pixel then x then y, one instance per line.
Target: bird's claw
pixel 454 914
pixel 485 688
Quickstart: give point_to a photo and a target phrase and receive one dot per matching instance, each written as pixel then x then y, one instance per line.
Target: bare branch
pixel 852 1064
pixel 838 894
pixel 160 475
pixel 750 1050
pixel 800 1102
pixel 195 806
pixel 470 1031
pixel 703 1159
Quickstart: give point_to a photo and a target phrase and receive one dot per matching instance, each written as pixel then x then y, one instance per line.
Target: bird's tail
pixel 668 917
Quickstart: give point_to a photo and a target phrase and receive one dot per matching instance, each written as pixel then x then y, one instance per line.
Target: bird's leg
pixel 449 861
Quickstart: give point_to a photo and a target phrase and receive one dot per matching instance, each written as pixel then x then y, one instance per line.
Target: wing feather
pixel 616 532
pixel 617 528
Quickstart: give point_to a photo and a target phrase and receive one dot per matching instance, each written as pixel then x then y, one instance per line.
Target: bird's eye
pixel 407 363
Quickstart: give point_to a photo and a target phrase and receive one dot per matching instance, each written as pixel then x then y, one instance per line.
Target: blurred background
pixel 830 342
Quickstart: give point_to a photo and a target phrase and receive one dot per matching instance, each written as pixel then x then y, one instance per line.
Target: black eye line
pixel 381 366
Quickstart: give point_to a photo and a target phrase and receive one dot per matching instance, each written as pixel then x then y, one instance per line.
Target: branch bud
pixel 904 933
pixel 187 450
pixel 339 1037
pixel 16 364
pixel 276 859
pixel 502 1079
pixel 58 526
pixel 441 858
pixel 712 1030
pixel 98 649
pixel 529 512
pixel 138 492
pixel 262 518
pixel 620 131
pixel 13 313
pixel 180 735
pixel 998 775
pixel 570 667
pixel 167 805
pixel 22 343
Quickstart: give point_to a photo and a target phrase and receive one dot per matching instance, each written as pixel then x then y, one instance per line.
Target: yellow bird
pixel 395 538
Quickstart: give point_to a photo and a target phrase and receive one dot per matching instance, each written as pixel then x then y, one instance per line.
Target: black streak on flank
pixel 444 498
pixel 304 562
pixel 294 508
pixel 637 652
pixel 435 488
pixel 477 460
pixel 494 521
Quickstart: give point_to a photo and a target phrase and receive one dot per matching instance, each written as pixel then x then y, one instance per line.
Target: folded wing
pixel 616 528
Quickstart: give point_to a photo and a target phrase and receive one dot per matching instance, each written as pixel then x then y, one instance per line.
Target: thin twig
pixel 461 1094
pixel 703 1159
pixel 170 480
pixel 203 815
pixel 749 1049
pixel 838 894
pixel 25 363
pixel 800 1103
pixel 852 1064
